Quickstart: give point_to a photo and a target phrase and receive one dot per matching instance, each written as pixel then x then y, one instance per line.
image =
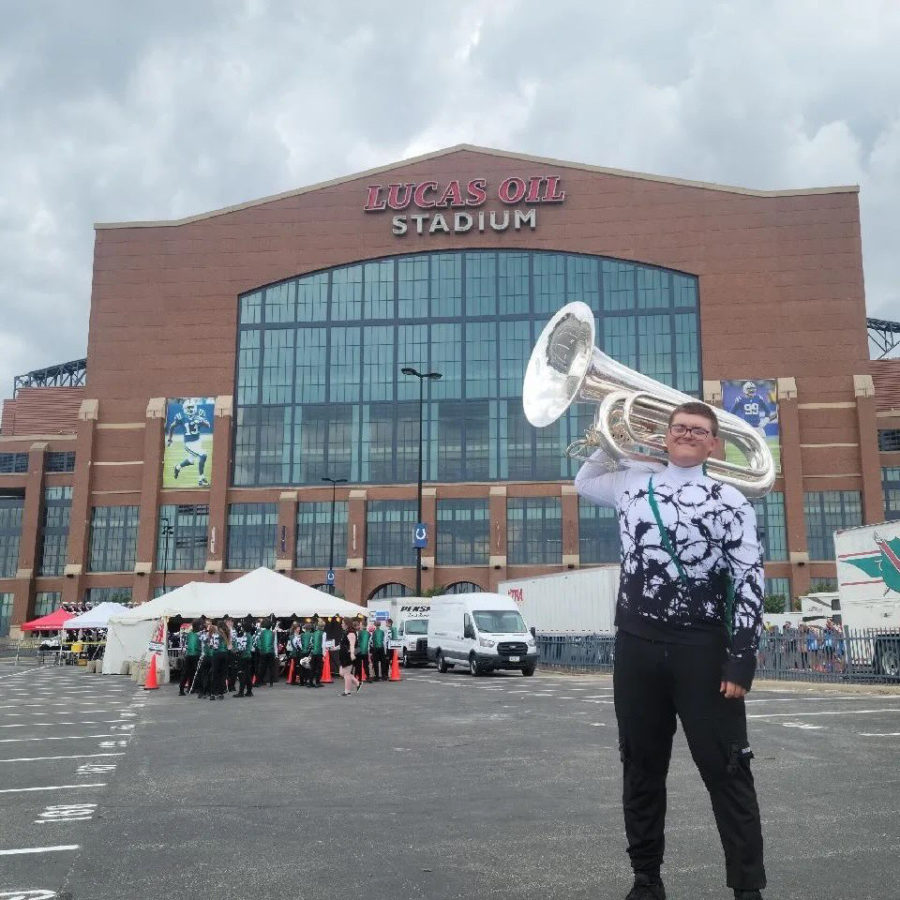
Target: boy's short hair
pixel 697 408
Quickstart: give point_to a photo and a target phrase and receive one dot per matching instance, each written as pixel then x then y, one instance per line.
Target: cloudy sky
pixel 113 111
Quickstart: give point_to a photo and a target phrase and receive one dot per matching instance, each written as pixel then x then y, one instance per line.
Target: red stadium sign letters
pixel 456 195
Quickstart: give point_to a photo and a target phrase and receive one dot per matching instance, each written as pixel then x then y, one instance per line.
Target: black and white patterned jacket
pixel 712 531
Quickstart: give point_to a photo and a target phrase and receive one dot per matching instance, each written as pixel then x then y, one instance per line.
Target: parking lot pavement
pixel 447 786
pixel 62 737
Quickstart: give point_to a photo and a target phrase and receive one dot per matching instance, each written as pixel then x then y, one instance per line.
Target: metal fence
pixel 854 656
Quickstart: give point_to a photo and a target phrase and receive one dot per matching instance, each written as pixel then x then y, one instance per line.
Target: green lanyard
pixel 667 544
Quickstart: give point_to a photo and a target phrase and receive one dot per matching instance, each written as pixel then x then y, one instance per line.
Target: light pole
pixel 167 530
pixel 422 376
pixel 329 578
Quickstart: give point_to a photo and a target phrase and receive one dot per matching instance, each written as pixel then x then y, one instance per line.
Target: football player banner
pixel 187 455
pixel 755 400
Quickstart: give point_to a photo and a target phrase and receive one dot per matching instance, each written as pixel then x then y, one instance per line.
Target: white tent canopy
pixel 195 599
pixel 263 591
pixel 98 617
pixel 257 593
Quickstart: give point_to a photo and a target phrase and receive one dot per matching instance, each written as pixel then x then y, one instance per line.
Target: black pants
pixel 190 669
pixel 379 663
pixel 244 676
pixel 204 675
pixel 362 662
pixel 654 682
pixel 268 668
pixel 315 671
pixel 219 672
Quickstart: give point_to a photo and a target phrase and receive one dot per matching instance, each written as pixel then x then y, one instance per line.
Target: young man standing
pixel 689 614
pixel 268 662
pixel 316 652
pixel 191 657
pixel 379 659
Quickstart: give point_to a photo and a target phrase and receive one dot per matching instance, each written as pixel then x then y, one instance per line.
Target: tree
pixel 775 603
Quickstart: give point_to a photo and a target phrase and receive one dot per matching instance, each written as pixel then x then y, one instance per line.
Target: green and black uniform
pixel 191 658
pixel 243 650
pixel 305 644
pixel 379 657
pixel 268 663
pixel 363 641
pixel 316 649
pixel 219 651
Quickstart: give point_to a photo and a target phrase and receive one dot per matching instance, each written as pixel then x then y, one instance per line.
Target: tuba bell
pixel 633 410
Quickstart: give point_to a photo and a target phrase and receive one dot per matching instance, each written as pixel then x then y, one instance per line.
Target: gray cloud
pixel 116 111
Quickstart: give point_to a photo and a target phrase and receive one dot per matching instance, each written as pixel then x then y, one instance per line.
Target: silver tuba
pixel 633 410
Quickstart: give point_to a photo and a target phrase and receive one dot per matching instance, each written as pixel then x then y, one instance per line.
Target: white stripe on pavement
pixel 39 849
pixel 53 787
pixel 68 737
pixel 879 733
pixel 58 724
pixel 828 712
pixel 42 758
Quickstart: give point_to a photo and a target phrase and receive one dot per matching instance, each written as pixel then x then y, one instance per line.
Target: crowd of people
pixel 803 646
pixel 236 656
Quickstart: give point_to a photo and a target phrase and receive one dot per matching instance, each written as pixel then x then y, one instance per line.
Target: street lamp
pixel 422 376
pixel 329 578
pixel 167 530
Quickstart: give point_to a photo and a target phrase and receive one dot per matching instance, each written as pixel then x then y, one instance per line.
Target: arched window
pixel 392 589
pixel 463 587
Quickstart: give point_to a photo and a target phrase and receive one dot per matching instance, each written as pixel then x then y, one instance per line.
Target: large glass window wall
pixel 319 388
pixel 389 532
pixel 463 532
pixel 314 545
pixel 55 530
pixel 252 529
pixel 113 538
pixel 534 531
pixel 181 537
pixel 598 534
pixel 826 512
pixel 10 533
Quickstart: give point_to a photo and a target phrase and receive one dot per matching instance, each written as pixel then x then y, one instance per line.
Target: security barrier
pixel 866 656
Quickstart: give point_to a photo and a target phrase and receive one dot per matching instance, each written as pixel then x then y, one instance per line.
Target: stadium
pixel 243 400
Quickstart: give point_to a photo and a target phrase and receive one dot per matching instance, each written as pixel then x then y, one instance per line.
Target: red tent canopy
pixel 52 622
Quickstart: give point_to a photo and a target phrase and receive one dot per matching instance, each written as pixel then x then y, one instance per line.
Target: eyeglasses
pixel 679 430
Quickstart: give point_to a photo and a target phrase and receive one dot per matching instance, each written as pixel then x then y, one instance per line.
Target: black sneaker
pixel 747 895
pixel 646 887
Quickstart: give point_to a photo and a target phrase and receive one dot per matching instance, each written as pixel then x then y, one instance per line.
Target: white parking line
pixel 43 758
pixel 53 787
pixel 39 849
pixel 68 737
pixel 879 733
pixel 825 712
pixel 58 724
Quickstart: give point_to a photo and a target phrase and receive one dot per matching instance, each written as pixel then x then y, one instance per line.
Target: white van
pixel 480 631
pixel 413 634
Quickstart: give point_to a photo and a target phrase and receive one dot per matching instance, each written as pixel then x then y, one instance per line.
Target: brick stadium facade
pixel 780 285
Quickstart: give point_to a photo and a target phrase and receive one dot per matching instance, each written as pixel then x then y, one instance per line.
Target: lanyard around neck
pixel 664 534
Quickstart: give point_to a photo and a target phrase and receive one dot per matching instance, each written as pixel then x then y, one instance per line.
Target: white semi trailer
pixel 581 601
pixel 868 570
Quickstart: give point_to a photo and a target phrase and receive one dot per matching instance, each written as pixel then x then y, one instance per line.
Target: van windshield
pixel 497 621
pixel 416 626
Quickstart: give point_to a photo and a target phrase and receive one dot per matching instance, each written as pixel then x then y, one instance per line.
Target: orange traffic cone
pixel 362 672
pixel 326 667
pixel 395 667
pixel 290 678
pixel 151 684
